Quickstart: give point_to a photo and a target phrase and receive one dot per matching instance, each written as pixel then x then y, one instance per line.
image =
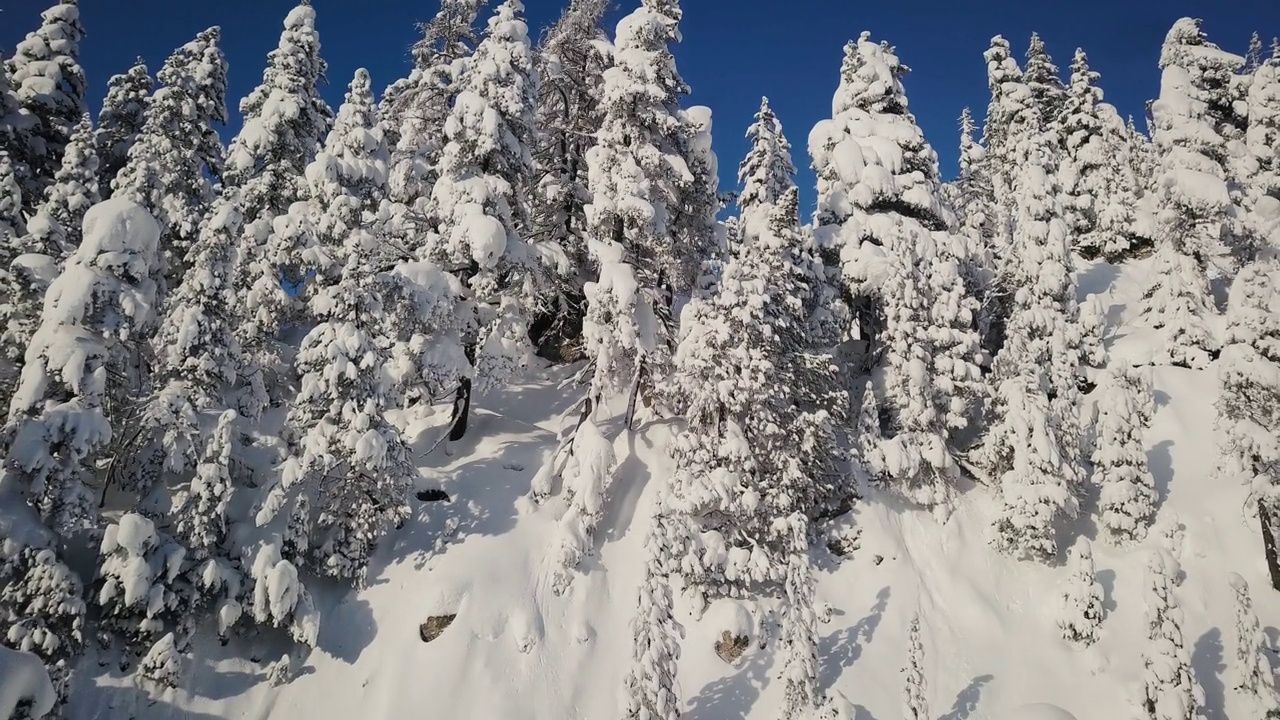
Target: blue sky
pixel 734 51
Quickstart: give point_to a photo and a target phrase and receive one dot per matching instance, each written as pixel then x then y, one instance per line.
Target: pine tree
pixel 1010 98
pixel 767 173
pixel 42 608
pixel 651 688
pixel 55 229
pixel 1169 692
pixel 16 124
pixel 901 262
pixel 161 664
pixel 49 82
pixel 570 64
pixel 120 122
pixel 201 513
pixel 1262 139
pixel 762 404
pixel 169 168
pixel 1082 598
pixel 15 320
pixel 1041 76
pixel 483 221
pixel 1196 231
pixel 145 590
pixel 56 421
pixel 284 121
pixel 1253 56
pixel 415 108
pixel 628 333
pixel 1099 188
pixel 975 204
pixel 1254 677
pixel 799 637
pixel 345 454
pixel 1127 492
pixel 915 706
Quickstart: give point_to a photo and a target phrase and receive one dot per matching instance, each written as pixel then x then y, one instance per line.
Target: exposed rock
pixel 431 629
pixel 730 647
pixel 433 495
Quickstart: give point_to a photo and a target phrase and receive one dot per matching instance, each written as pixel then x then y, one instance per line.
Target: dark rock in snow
pixel 431 629
pixel 433 495
pixel 730 647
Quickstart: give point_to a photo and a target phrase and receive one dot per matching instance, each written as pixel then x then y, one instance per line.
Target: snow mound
pixel 23 680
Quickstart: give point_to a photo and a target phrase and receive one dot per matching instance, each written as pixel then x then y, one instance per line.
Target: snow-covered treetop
pixel 73 192
pixel 45 68
pixel 1006 84
pixel 449 35
pixel 121 118
pixel 767 172
pixel 1187 46
pixel 1041 76
pixel 284 119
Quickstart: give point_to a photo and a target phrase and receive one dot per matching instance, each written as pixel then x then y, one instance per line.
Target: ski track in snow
pixel 517 651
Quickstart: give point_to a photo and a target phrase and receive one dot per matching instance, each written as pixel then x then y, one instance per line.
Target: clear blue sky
pixel 734 51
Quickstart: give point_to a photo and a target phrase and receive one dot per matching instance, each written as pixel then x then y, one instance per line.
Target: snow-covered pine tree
pixel 479 204
pixel 15 125
pixel 120 122
pixel 94 311
pixel 651 689
pixel 1196 232
pixel 570 64
pixel 143 591
pixel 1010 97
pixel 55 229
pixel 900 261
pixel 49 82
pixel 915 704
pixel 1081 598
pixel 12 228
pixel 200 514
pixel 1169 691
pixel 1041 77
pixel 284 121
pixel 162 663
pixel 1249 403
pixel 414 109
pixel 762 404
pixel 975 204
pixel 1254 679
pixel 767 173
pixel 1126 490
pixel 1035 374
pixel 1097 177
pixel 628 331
pixel 1262 140
pixel 1253 56
pixel 799 631
pixel 42 608
pixel 170 168
pixel 697 232
pixel 345 454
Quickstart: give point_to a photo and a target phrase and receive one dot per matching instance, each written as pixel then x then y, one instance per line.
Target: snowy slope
pixel 516 650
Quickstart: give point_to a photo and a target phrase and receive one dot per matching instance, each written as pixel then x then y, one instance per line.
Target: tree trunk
pixel 1269 543
pixel 635 392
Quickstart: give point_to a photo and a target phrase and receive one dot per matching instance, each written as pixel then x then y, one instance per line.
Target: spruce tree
pixel 1254 678
pixel 767 173
pixel 570 63
pixel 49 82
pixel 482 217
pixel 628 331
pixel 201 511
pixel 1126 489
pixel 284 121
pixel 1169 691
pixel 1262 139
pixel 170 168
pixel 55 229
pixel 1010 97
pixel 42 607
pixel 15 323
pixel 1041 77
pixel 651 688
pixel 1253 56
pixel 1097 177
pixel 120 122
pixel 1082 598
pixel 901 264
pixel 799 633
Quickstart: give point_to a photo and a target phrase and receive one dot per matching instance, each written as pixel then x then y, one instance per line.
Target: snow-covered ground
pixel 517 650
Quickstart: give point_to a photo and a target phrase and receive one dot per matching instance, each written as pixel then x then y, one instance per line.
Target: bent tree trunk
pixel 1266 518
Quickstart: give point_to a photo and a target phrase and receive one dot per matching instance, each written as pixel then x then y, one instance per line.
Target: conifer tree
pixel 1169 691
pixel 55 229
pixel 201 512
pixel 915 705
pixel 799 639
pixel 56 421
pixel 1082 598
pixel 49 82
pixel 169 168
pixel 161 664
pixel 1010 97
pixel 651 688
pixel 15 126
pixel 42 608
pixel 345 455
pixel 628 333
pixel 767 173
pixel 1253 56
pixel 1252 669
pixel 1098 184
pixel 1127 492
pixel 284 121
pixel 1262 139
pixel 1041 77
pixel 483 221
pixel 14 321
pixel 756 451
pixel 570 65
pixel 901 259
pixel 1196 233
pixel 120 122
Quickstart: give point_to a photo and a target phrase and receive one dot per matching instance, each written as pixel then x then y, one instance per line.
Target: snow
pixel 1039 711
pixel 23 679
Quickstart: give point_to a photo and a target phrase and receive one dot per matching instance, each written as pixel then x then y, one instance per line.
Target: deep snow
pixel 517 650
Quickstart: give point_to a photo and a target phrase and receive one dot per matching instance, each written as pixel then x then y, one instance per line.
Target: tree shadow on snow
pixel 1160 462
pixel 127 702
pixel 842 648
pixel 733 695
pixel 967 701
pixel 347 627
pixel 1096 280
pixel 1207 662
pixel 1107 580
pixel 861 713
